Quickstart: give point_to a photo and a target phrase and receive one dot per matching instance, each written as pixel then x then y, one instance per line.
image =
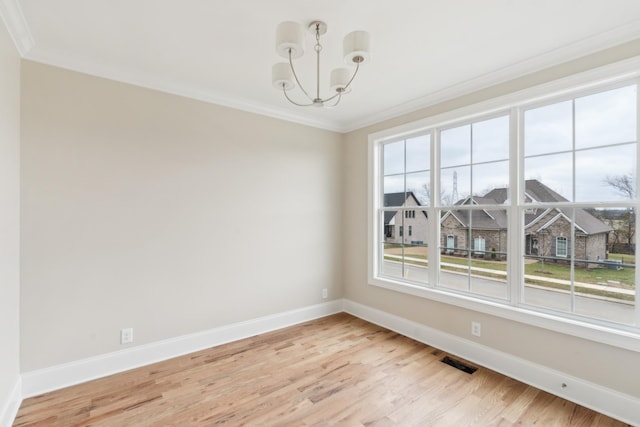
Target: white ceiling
pixel 222 50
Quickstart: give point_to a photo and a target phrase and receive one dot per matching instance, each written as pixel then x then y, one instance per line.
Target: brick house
pixel 547 230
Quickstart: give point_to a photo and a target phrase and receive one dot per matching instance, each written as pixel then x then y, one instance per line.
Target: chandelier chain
pixel 318 48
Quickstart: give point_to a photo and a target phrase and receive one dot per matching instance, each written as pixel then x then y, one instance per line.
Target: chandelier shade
pixel 282 76
pixel 339 80
pixel 290 45
pixel 356 47
pixel 290 38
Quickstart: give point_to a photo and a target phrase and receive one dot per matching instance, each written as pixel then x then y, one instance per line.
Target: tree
pixel 424 195
pixel 624 184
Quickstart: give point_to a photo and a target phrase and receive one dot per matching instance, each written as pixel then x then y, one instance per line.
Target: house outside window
pixel 410 230
pixel 401 231
pixel 543 180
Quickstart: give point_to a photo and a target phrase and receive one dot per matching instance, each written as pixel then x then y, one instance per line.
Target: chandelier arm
pixel 284 91
pixel 295 76
pixel 353 77
pixel 332 97
pixel 345 87
pixel 339 95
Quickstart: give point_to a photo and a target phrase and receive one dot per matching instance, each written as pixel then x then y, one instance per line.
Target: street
pixel 533 295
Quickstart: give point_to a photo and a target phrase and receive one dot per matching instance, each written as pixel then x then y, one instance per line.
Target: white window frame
pixel 565 246
pixel 595 80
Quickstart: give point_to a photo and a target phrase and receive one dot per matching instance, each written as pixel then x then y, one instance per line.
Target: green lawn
pixel 595 276
pixel 626 259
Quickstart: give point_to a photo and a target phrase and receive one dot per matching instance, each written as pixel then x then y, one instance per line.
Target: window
pixel 451 243
pixel 474 176
pixel 479 246
pixel 561 247
pixel 405 183
pixel 546 190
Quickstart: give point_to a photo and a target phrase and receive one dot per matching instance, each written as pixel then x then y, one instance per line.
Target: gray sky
pixel 605 135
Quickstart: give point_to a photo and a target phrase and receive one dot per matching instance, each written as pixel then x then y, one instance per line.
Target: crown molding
pixel 584 47
pixel 11 14
pixel 173 87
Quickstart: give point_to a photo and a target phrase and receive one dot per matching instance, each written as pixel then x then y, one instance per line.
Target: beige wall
pixel 9 215
pixel 147 210
pixel 171 216
pixel 611 367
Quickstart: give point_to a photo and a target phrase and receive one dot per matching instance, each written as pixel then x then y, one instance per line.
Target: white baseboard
pixel 60 376
pixel 612 403
pixel 10 408
pixel 609 402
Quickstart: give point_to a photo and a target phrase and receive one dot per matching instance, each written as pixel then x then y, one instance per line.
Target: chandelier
pixel 290 45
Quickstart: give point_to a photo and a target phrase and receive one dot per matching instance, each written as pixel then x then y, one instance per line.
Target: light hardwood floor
pixel 337 370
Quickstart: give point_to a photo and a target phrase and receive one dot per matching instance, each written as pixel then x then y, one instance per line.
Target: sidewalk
pixel 526 276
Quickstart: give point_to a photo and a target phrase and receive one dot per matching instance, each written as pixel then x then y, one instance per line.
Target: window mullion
pixel 637 220
pixel 434 212
pixel 515 230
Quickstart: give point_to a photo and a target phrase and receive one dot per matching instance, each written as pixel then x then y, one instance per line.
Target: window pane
pixel 547 267
pixel 391 245
pixel 606 118
pixel 418 153
pixel 418 184
pixel 415 262
pixel 554 173
pixel 491 179
pixel 491 140
pixel 474 252
pixel 606 174
pixel 393 157
pixel 404 253
pixel 548 129
pixel 489 255
pixel 454 249
pixel 605 286
pixel 581 270
pixel 455 146
pixel 393 184
pixel 455 185
pixel 392 262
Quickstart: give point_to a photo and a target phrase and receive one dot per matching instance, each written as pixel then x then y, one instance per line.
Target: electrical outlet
pixel 476 329
pixel 126 336
pixel 325 293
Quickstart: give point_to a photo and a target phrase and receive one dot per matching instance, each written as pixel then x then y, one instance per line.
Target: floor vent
pixel 459 365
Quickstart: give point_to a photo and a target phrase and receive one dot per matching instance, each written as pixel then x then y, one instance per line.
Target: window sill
pixel 627 339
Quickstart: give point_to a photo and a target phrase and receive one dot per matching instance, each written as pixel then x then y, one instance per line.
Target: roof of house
pixel 398 199
pixel 537 191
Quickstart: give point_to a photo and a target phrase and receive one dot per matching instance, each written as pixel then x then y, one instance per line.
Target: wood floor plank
pixel 337 370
